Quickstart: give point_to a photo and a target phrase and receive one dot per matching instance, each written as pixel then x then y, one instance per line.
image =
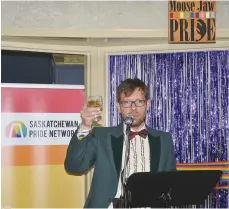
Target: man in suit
pixel 104 147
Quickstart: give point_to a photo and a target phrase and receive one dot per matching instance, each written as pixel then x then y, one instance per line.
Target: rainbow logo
pixel 16 129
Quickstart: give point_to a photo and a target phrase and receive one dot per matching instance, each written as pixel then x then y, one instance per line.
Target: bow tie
pixel 143 133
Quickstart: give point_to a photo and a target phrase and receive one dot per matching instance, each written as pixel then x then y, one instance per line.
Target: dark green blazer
pixel 102 148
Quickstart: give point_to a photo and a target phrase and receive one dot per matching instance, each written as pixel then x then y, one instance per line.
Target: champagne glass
pixel 95 101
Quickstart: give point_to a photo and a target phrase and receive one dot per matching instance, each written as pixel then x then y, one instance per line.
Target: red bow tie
pixel 143 133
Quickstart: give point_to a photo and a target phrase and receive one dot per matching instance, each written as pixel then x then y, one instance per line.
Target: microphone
pixel 128 120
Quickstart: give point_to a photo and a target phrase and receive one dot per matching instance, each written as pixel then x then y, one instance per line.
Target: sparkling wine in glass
pixel 95 101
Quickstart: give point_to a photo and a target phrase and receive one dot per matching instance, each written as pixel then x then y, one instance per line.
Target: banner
pixel 191 21
pixel 37 125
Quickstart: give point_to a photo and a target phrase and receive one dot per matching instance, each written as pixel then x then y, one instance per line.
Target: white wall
pixel 95 15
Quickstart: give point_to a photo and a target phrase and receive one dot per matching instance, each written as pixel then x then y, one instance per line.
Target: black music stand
pixel 170 189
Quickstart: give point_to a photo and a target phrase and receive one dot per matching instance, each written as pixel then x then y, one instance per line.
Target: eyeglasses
pixel 137 103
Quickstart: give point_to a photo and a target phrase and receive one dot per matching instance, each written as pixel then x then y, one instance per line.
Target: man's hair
pixel 129 85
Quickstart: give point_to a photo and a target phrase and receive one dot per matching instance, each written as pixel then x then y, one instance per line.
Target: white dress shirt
pixel 139 159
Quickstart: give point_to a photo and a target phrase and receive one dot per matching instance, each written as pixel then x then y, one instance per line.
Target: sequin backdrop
pixel 189 93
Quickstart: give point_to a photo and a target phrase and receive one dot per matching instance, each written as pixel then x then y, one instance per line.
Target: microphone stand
pixel 124 199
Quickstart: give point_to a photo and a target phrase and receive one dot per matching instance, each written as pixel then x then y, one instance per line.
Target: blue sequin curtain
pixel 189 93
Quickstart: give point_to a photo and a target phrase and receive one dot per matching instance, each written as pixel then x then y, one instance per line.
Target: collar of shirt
pixel 143 127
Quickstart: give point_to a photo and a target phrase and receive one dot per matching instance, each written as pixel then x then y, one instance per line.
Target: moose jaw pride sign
pixel 192 21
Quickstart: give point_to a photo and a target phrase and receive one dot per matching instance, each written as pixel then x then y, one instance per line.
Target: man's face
pixel 138 112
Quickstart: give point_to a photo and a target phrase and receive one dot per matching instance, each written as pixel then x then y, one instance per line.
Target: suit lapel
pixel 117 147
pixel 117 138
pixel 155 144
pixel 155 150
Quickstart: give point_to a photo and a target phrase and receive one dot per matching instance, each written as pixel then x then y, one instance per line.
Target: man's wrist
pixel 84 128
pixel 83 131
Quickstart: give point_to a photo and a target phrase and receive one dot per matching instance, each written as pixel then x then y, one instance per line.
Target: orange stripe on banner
pixel 33 155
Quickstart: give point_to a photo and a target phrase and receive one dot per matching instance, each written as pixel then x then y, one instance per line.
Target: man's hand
pixel 87 116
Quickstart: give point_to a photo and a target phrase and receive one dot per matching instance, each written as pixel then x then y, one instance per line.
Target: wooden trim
pixel 97 33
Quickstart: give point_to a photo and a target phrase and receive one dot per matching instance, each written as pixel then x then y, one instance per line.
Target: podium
pixel 169 189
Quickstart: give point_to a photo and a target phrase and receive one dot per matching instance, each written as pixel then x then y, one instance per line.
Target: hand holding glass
pixel 97 102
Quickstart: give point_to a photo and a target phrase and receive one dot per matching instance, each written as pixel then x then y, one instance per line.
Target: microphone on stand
pixel 123 201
